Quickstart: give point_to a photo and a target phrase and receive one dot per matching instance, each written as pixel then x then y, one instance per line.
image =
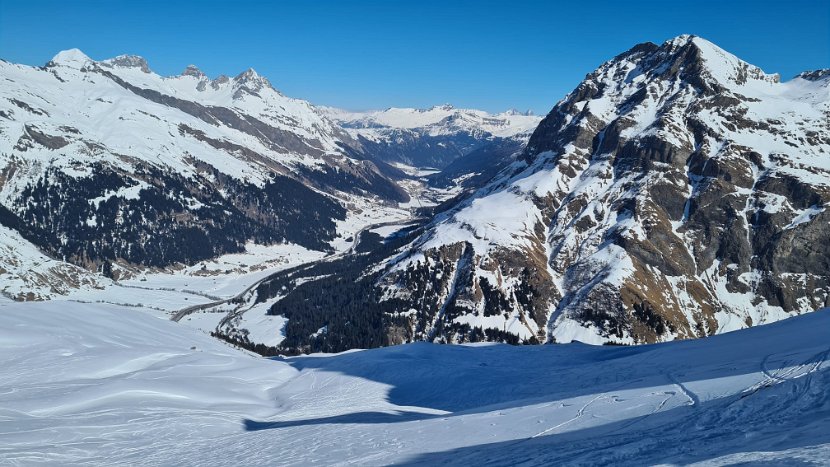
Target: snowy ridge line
pixel 109 138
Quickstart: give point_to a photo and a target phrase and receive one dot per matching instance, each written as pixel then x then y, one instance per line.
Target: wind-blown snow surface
pixel 103 385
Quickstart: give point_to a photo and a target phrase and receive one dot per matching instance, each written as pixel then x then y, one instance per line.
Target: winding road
pixel 178 315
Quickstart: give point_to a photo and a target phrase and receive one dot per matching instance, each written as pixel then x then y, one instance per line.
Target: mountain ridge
pixel 437 136
pixel 677 192
pixel 556 201
pixel 108 162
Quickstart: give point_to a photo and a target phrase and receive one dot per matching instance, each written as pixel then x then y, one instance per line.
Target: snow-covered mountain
pixel 106 164
pixel 98 384
pixel 677 192
pixel 433 137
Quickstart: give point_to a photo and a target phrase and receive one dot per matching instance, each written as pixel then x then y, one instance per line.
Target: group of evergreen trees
pixel 79 219
pixel 337 295
pixel 341 297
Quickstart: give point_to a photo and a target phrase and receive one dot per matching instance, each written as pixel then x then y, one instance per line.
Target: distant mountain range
pixel 677 192
pixel 433 137
pixel 106 165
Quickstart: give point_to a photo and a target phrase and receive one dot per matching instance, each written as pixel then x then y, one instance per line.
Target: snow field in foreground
pixel 103 384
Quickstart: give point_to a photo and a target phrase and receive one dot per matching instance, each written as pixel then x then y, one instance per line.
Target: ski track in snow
pixel 101 384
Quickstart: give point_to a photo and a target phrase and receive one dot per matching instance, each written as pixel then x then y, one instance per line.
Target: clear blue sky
pixel 375 54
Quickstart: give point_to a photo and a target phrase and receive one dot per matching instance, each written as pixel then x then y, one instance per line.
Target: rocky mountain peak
pixel 645 76
pixel 73 58
pixel 128 61
pixel 194 71
pixel 685 59
pixel 220 81
pixel 252 80
pixel 703 63
pixel 670 195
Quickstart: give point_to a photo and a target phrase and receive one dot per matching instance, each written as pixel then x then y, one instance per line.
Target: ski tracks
pixel 694 400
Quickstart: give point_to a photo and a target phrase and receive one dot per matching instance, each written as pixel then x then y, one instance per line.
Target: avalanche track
pixel 99 384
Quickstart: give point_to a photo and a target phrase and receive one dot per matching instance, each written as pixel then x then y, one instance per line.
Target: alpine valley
pixel 169 232
pixel 677 192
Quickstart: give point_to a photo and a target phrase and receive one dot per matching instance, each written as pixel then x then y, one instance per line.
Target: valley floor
pixel 100 384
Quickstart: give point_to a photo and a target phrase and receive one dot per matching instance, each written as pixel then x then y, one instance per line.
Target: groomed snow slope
pixel 105 385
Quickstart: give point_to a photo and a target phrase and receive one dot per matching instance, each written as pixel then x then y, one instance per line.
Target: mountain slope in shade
pixel 433 137
pixel 677 192
pixel 120 386
pixel 106 162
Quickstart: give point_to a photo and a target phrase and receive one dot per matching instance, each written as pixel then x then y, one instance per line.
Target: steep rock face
pixel 106 161
pixel 677 192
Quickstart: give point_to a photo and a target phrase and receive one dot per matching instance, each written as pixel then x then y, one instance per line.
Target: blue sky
pixel 376 54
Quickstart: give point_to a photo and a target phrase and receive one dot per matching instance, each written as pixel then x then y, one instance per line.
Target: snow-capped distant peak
pixel 73 58
pixel 194 71
pixel 128 61
pixel 516 112
pixel 252 79
pixel 439 119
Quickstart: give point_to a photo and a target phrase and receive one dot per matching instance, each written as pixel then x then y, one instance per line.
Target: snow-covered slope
pixel 677 192
pixel 102 385
pixel 111 167
pixel 128 110
pixel 27 274
pixel 433 137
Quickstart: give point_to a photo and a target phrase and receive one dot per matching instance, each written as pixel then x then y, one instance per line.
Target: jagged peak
pixel 716 62
pixel 128 61
pixel 247 75
pixel 73 58
pixel 682 40
pixel 686 58
pixel 250 78
pixel 219 81
pixel 194 71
